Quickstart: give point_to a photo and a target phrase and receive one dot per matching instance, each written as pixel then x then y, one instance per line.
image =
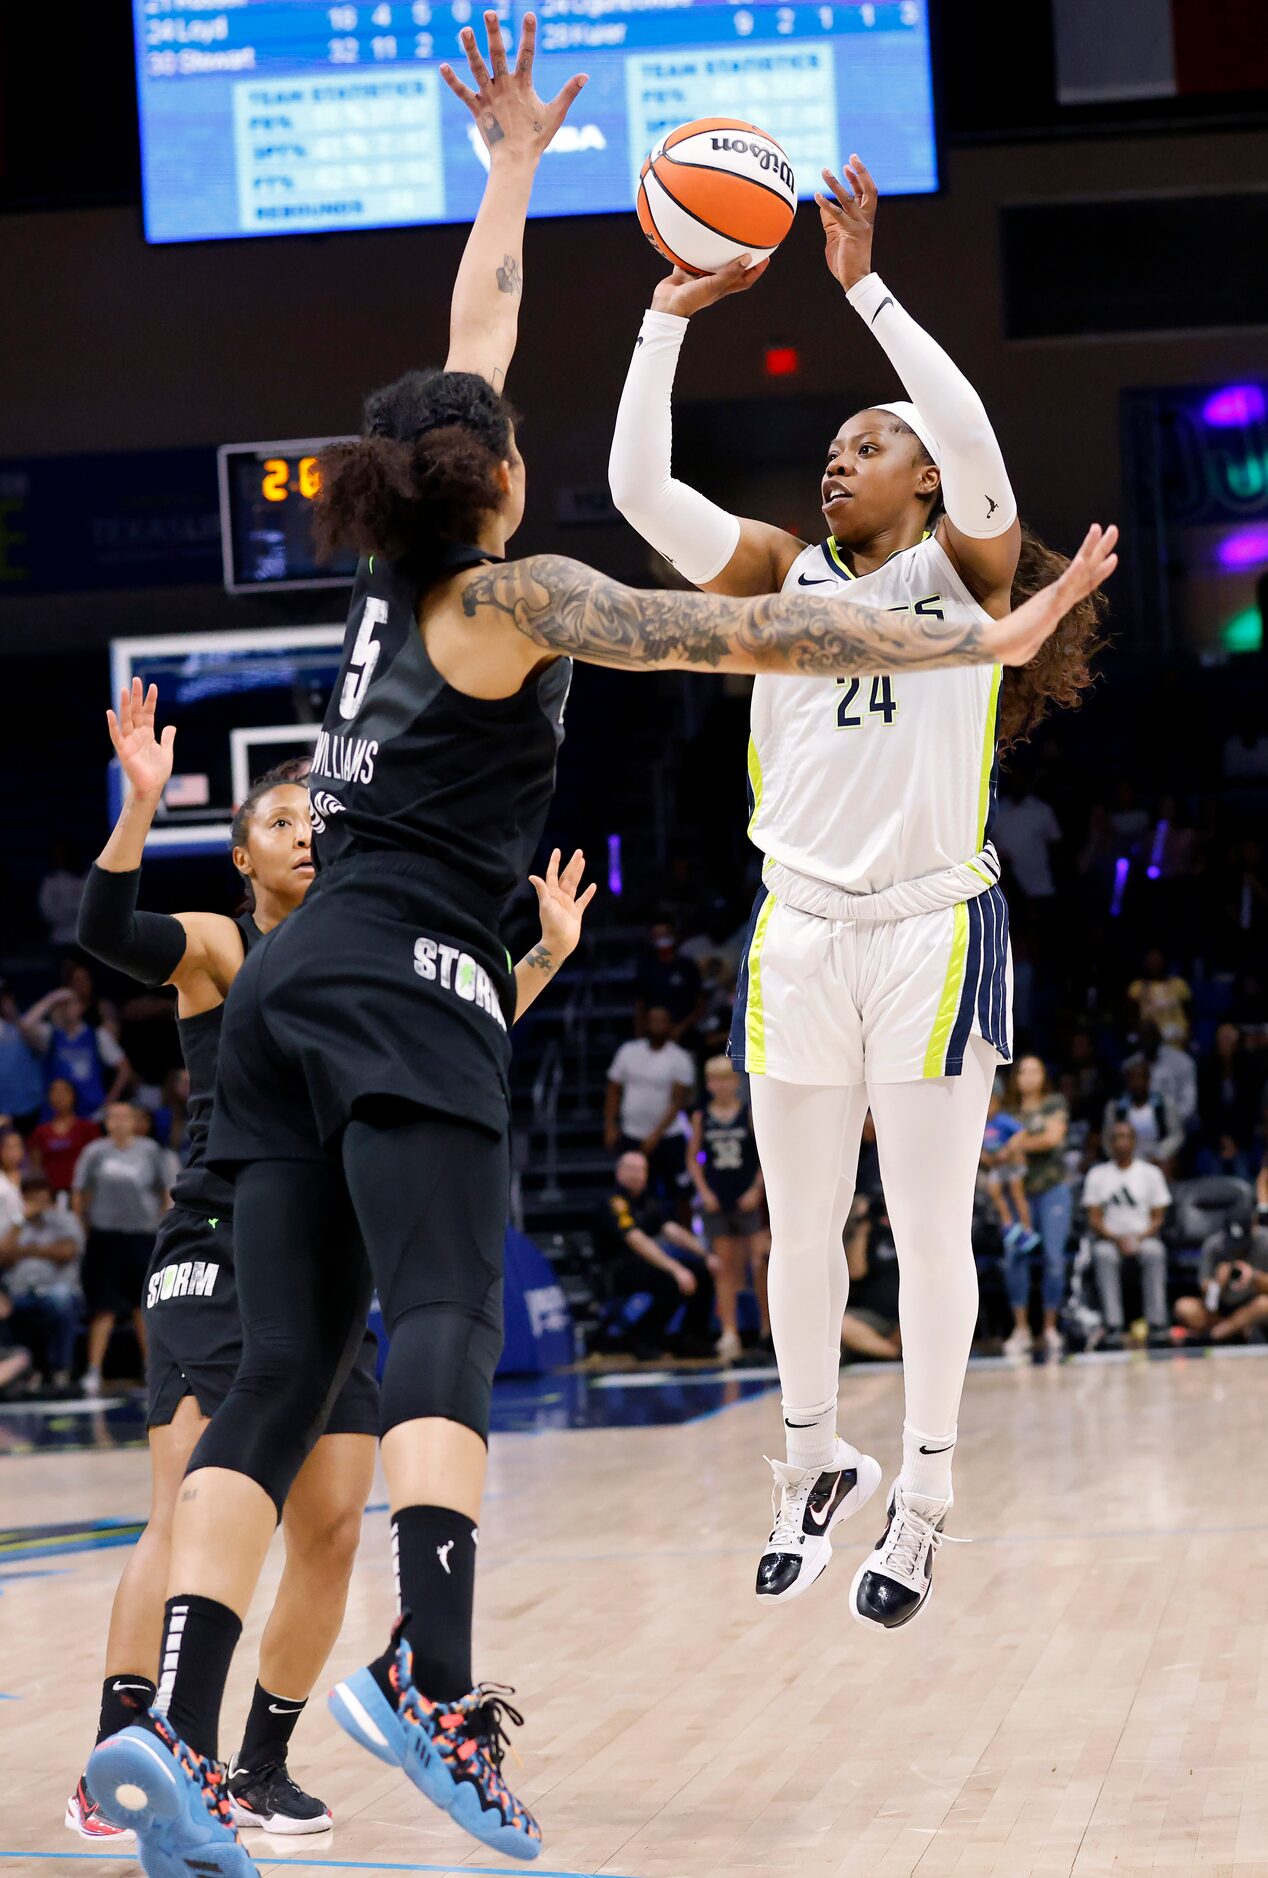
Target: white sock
pixel 927 1462
pixel 811 1434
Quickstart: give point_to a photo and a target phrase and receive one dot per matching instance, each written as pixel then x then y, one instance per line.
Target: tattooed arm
pixel 516 128
pixel 567 608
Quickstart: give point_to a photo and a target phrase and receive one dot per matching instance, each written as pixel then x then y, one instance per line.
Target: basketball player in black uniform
pixel 363 1070
pixel 722 1161
pixel 190 1303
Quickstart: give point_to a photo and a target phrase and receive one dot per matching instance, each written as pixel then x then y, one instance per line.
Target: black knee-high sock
pixel 434 1551
pixel 199 1638
pixel 124 1699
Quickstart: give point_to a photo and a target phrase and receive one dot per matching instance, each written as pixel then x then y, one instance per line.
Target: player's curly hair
pixel 422 474
pixel 1061 670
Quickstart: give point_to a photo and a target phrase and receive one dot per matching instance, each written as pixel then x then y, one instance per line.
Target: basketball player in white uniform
pixel 877 968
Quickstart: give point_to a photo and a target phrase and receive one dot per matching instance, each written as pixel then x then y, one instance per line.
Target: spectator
pixel 15 1360
pixel 1160 997
pixel 40 1256
pixel 1225 1158
pixel 1041 1139
pixel 1228 1085
pixel 1248 908
pixel 649 1084
pixel 1126 1198
pixel 60 892
pixel 1025 830
pixel 722 1162
pixel 56 1145
pixel 1128 820
pixel 1172 1073
pixel 1246 753
pixel 870 1326
pixel 1155 1125
pixel 1233 1274
pixel 57 1027
pixel 1003 1175
pixel 77 977
pixel 667 978
pixel 21 1078
pixel 13 1168
pixel 1088 1099
pixel 120 1194
pixel 629 1232
pixel 1098 858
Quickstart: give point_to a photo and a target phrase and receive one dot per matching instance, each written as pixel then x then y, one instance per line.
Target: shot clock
pixel 266 532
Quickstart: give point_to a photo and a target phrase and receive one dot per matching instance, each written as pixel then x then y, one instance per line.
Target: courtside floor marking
pixel 328 1864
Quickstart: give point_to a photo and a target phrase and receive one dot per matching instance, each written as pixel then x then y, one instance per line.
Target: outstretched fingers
pixel 470 98
pixel 497 45
pixel 564 99
pixel 527 48
pixel 475 59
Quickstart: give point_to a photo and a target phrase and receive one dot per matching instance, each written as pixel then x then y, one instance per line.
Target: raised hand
pixel 513 120
pixel 685 294
pixel 561 911
pixel 1016 638
pixel 146 759
pixel 847 218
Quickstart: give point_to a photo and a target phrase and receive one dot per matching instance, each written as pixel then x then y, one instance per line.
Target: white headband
pixel 909 415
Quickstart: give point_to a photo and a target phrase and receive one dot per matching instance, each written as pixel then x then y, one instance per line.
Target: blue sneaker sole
pixel 137 1784
pixel 363 1711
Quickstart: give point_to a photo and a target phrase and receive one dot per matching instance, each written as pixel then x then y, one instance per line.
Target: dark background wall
pixel 114 345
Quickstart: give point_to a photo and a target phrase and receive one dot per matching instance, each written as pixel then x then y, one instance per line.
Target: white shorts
pixel 833 1002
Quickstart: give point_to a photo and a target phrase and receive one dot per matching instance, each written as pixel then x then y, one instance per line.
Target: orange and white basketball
pixel 713 190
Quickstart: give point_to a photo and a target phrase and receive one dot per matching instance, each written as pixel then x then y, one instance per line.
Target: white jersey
pixel 866 782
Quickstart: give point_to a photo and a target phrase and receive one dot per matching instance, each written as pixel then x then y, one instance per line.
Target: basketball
pixel 715 189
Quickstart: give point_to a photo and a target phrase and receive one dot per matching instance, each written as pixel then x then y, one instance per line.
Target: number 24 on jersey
pixel 882 703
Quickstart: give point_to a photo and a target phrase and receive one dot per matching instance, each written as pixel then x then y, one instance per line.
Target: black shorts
pixel 195 1333
pixel 731 1222
pixel 113 1272
pixel 383 984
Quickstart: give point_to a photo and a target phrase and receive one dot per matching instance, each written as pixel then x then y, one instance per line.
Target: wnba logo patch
pixel 458 972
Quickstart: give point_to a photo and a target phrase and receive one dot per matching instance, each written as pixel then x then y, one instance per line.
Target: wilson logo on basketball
pixel 713 190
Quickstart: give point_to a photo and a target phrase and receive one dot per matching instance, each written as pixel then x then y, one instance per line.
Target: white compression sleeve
pixel 975 487
pixel 692 533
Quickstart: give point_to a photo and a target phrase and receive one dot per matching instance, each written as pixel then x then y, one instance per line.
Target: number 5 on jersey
pixel 882 703
pixel 365 656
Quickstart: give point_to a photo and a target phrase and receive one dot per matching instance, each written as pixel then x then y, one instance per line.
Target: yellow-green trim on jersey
pixel 755 1010
pixel 837 562
pixel 988 753
pixel 754 784
pixel 952 991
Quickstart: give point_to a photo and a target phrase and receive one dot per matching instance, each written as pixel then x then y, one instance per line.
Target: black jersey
pixel 197 1186
pixel 405 764
pixel 729 1163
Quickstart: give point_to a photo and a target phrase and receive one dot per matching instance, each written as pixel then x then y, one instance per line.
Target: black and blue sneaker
pixel 452 1751
pixel 147 1780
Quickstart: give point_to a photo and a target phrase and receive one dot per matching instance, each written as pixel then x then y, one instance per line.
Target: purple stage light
pixel 614 864
pixel 1235 405
pixel 1245 547
pixel 1122 868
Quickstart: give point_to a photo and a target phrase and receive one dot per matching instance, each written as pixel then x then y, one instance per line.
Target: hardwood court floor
pixel 1086 1693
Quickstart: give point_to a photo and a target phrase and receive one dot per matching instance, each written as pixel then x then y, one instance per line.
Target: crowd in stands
pixel 89 1148
pixel 1124 1176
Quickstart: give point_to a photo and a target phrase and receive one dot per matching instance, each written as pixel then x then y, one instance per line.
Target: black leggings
pixel 418 1205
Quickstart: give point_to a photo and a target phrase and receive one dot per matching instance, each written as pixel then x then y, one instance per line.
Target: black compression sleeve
pixel 148 946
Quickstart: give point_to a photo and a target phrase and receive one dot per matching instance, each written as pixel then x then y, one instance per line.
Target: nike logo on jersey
pixel 191 1278
pixel 804 580
pixel 458 972
pixel 887 301
pixel 442 1553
